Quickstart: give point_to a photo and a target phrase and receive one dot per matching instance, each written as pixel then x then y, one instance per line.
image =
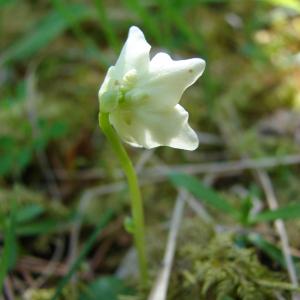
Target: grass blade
pixel 288 212
pixel 29 212
pixel 271 250
pixel 106 25
pixel 203 192
pixel 71 19
pixel 9 248
pixel 49 28
pixel 150 23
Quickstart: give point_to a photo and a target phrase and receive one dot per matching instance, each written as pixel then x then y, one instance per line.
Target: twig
pixel 279 225
pixel 37 266
pixel 202 168
pixel 143 159
pixel 159 290
pixel 209 138
pixel 158 174
pixel 227 166
pixel 128 266
pixel 8 290
pixel 199 209
pixel 52 265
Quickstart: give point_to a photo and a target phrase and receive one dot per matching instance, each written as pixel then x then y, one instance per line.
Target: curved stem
pixel 136 199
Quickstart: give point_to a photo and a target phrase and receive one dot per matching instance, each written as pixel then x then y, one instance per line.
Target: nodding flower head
pixel 141 96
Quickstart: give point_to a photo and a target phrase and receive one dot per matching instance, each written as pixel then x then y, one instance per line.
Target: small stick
pixel 280 227
pixel 8 290
pixel 52 265
pixel 226 166
pixel 221 167
pixel 199 209
pixel 160 288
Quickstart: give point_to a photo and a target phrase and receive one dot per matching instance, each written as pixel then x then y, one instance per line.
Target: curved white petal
pixel 135 53
pixel 106 85
pixel 142 128
pixel 168 79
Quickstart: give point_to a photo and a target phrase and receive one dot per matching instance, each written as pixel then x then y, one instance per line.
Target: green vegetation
pixel 64 207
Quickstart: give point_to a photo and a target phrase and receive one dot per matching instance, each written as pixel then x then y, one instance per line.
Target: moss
pixel 211 266
pixel 25 196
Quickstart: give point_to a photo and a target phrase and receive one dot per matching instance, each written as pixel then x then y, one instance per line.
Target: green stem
pixel 136 199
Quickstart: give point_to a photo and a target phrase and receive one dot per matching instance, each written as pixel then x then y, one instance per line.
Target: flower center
pixel 129 80
pixel 124 94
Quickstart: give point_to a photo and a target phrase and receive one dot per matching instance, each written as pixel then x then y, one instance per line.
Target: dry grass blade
pixel 220 167
pixel 280 228
pixel 160 288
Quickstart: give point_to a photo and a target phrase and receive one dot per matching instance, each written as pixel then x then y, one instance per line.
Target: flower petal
pixel 164 128
pixel 106 85
pixel 135 53
pixel 168 79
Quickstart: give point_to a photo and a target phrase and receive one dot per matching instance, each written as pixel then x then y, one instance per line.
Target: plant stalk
pixel 135 194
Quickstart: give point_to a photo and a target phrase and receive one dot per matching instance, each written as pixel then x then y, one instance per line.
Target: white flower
pixel 142 96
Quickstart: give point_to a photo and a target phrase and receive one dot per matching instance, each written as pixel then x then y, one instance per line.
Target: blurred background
pixel 63 199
